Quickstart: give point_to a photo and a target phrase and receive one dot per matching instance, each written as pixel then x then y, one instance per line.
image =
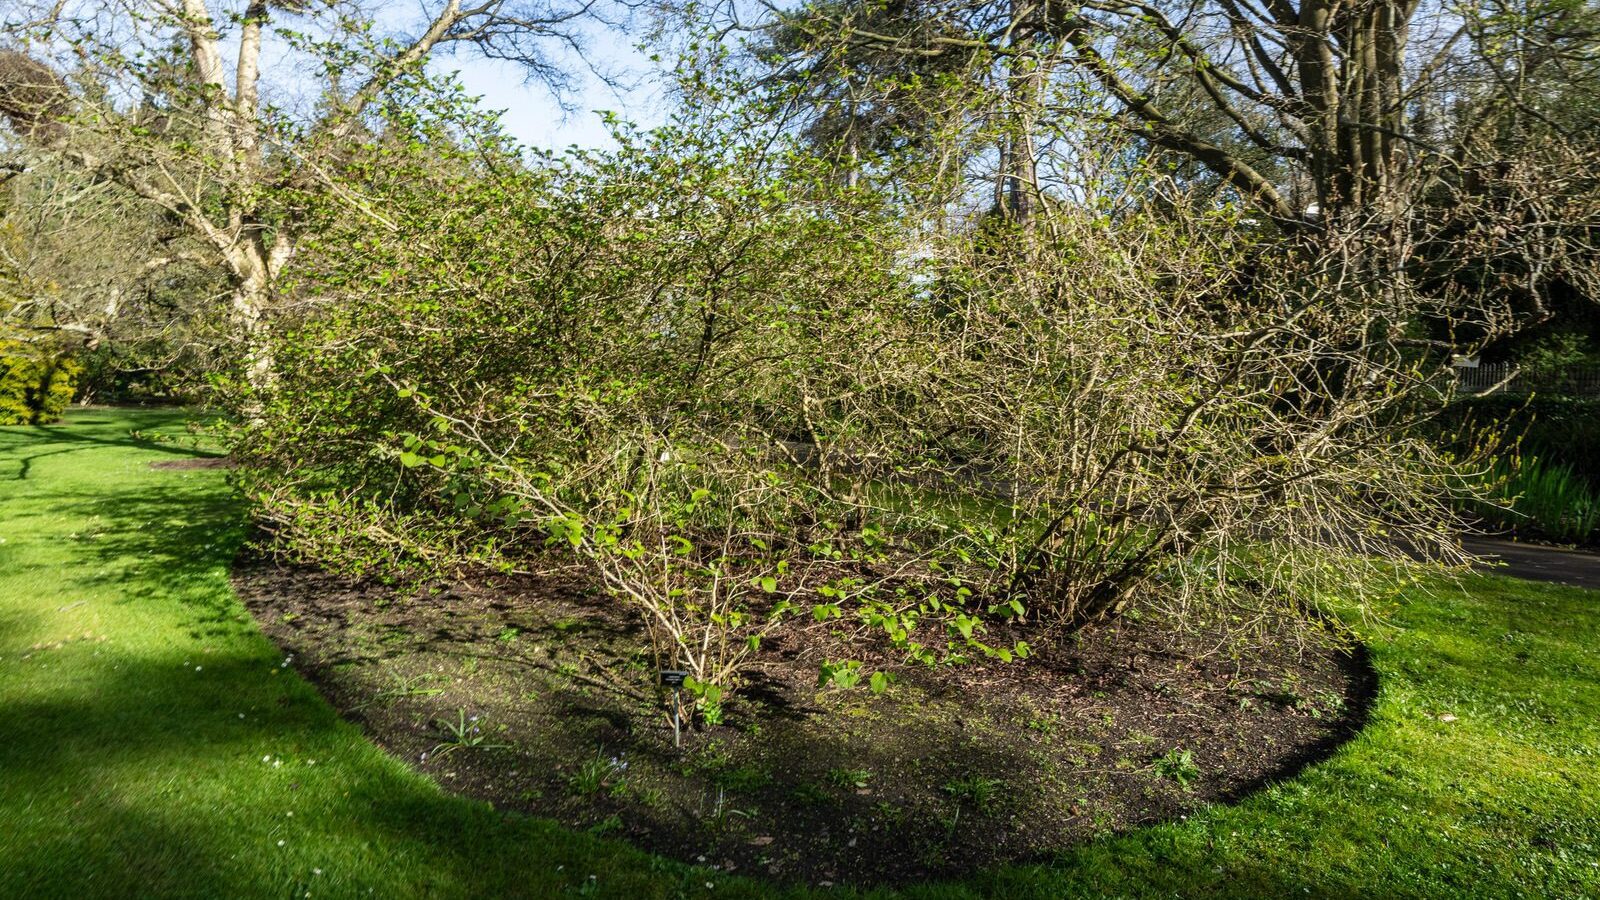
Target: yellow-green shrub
pixel 35 386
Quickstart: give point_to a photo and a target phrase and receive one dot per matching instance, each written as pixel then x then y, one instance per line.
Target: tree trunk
pixel 247 306
pixel 1017 191
pixel 254 267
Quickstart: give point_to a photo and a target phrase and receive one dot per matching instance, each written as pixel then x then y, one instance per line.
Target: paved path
pixel 1537 562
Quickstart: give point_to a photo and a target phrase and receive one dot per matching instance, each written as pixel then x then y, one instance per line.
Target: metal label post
pixel 673 679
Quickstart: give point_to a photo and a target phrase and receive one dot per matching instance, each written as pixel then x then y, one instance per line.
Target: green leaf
pixel 964 625
pixel 769 584
pixel 410 460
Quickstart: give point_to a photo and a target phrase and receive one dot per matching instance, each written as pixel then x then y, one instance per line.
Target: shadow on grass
pixel 103 762
pixel 84 434
pixel 133 767
pixel 154 544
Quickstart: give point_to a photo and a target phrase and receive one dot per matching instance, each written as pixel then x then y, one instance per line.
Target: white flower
pixel 280 843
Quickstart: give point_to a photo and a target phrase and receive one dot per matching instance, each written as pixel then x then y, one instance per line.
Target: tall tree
pixel 856 103
pixel 1315 111
pixel 165 98
pixel 881 78
pixel 87 263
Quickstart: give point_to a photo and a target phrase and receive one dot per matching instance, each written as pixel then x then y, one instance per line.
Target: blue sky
pixel 533 115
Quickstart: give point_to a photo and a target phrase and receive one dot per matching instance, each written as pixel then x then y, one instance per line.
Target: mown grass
pixel 152 743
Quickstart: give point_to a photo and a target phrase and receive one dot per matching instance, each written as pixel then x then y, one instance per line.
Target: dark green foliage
pixel 1543 481
pixel 35 386
pixel 114 378
pixel 1539 499
pixel 1558 430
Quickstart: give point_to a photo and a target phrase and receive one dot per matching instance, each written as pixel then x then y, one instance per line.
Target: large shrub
pixel 36 385
pixel 614 356
pixel 736 391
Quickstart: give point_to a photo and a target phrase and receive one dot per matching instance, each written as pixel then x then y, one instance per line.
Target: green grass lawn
pixel 152 742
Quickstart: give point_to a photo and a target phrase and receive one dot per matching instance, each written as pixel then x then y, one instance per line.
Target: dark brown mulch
pixel 950 770
pixel 194 462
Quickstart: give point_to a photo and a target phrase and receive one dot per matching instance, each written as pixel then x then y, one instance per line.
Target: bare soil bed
pixel 196 462
pixel 552 689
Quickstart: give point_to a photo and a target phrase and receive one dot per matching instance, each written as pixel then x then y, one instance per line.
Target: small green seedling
pixel 1178 765
pixel 465 733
